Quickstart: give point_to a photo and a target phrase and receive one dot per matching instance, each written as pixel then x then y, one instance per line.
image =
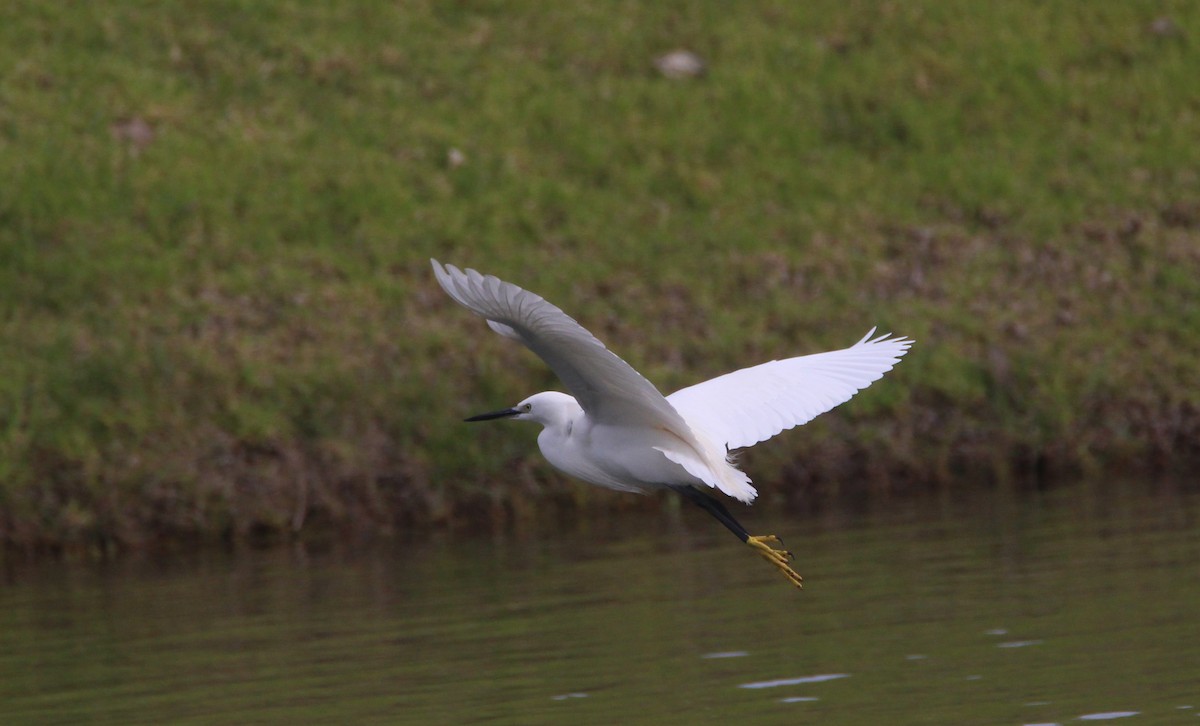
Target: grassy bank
pixel 218 316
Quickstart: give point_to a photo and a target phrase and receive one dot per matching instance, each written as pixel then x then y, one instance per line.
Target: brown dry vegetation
pixel 219 320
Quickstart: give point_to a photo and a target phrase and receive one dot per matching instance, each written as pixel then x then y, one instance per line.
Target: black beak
pixel 502 413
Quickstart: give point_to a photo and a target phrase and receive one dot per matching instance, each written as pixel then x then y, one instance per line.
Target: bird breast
pixel 612 457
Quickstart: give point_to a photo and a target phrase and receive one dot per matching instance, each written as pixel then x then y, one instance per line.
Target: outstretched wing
pixel 608 388
pixel 751 405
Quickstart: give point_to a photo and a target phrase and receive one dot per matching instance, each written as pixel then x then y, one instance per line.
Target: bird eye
pixel 527 407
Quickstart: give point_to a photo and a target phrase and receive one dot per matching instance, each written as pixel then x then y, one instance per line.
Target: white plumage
pixel 620 432
pixel 750 405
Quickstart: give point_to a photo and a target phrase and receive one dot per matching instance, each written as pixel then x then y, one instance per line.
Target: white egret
pixel 618 431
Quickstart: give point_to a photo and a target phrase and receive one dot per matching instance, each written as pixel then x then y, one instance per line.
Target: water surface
pixel 1002 607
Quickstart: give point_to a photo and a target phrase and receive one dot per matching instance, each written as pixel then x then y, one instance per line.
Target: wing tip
pixel 463 285
pixel 867 337
pixel 450 278
pixel 902 343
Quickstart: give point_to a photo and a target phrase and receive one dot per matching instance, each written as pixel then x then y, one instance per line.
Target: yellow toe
pixel 777 557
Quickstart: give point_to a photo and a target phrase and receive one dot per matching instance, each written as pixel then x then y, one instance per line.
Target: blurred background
pixel 218 321
pixel 234 482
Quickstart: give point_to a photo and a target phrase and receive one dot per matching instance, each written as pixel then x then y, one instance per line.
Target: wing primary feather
pixel 750 405
pixel 606 387
pixel 710 418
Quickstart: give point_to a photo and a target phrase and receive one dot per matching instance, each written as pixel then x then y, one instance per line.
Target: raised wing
pixel 608 388
pixel 745 407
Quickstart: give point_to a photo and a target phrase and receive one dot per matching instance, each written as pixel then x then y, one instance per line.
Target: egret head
pixel 546 408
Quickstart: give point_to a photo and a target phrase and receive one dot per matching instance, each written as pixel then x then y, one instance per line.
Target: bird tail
pixel 710 465
pixel 735 483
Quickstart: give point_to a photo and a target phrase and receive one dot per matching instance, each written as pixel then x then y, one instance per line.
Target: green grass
pixel 218 316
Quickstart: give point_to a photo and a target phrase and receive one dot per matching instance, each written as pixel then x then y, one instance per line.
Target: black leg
pixel 714 507
pixel 762 544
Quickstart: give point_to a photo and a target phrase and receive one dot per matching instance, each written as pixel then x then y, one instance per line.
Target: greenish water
pixel 997 608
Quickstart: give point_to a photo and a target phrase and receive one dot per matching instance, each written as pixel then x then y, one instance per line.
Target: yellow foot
pixel 779 558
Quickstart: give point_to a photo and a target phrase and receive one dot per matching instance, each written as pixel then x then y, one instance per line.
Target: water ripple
pixel 795 681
